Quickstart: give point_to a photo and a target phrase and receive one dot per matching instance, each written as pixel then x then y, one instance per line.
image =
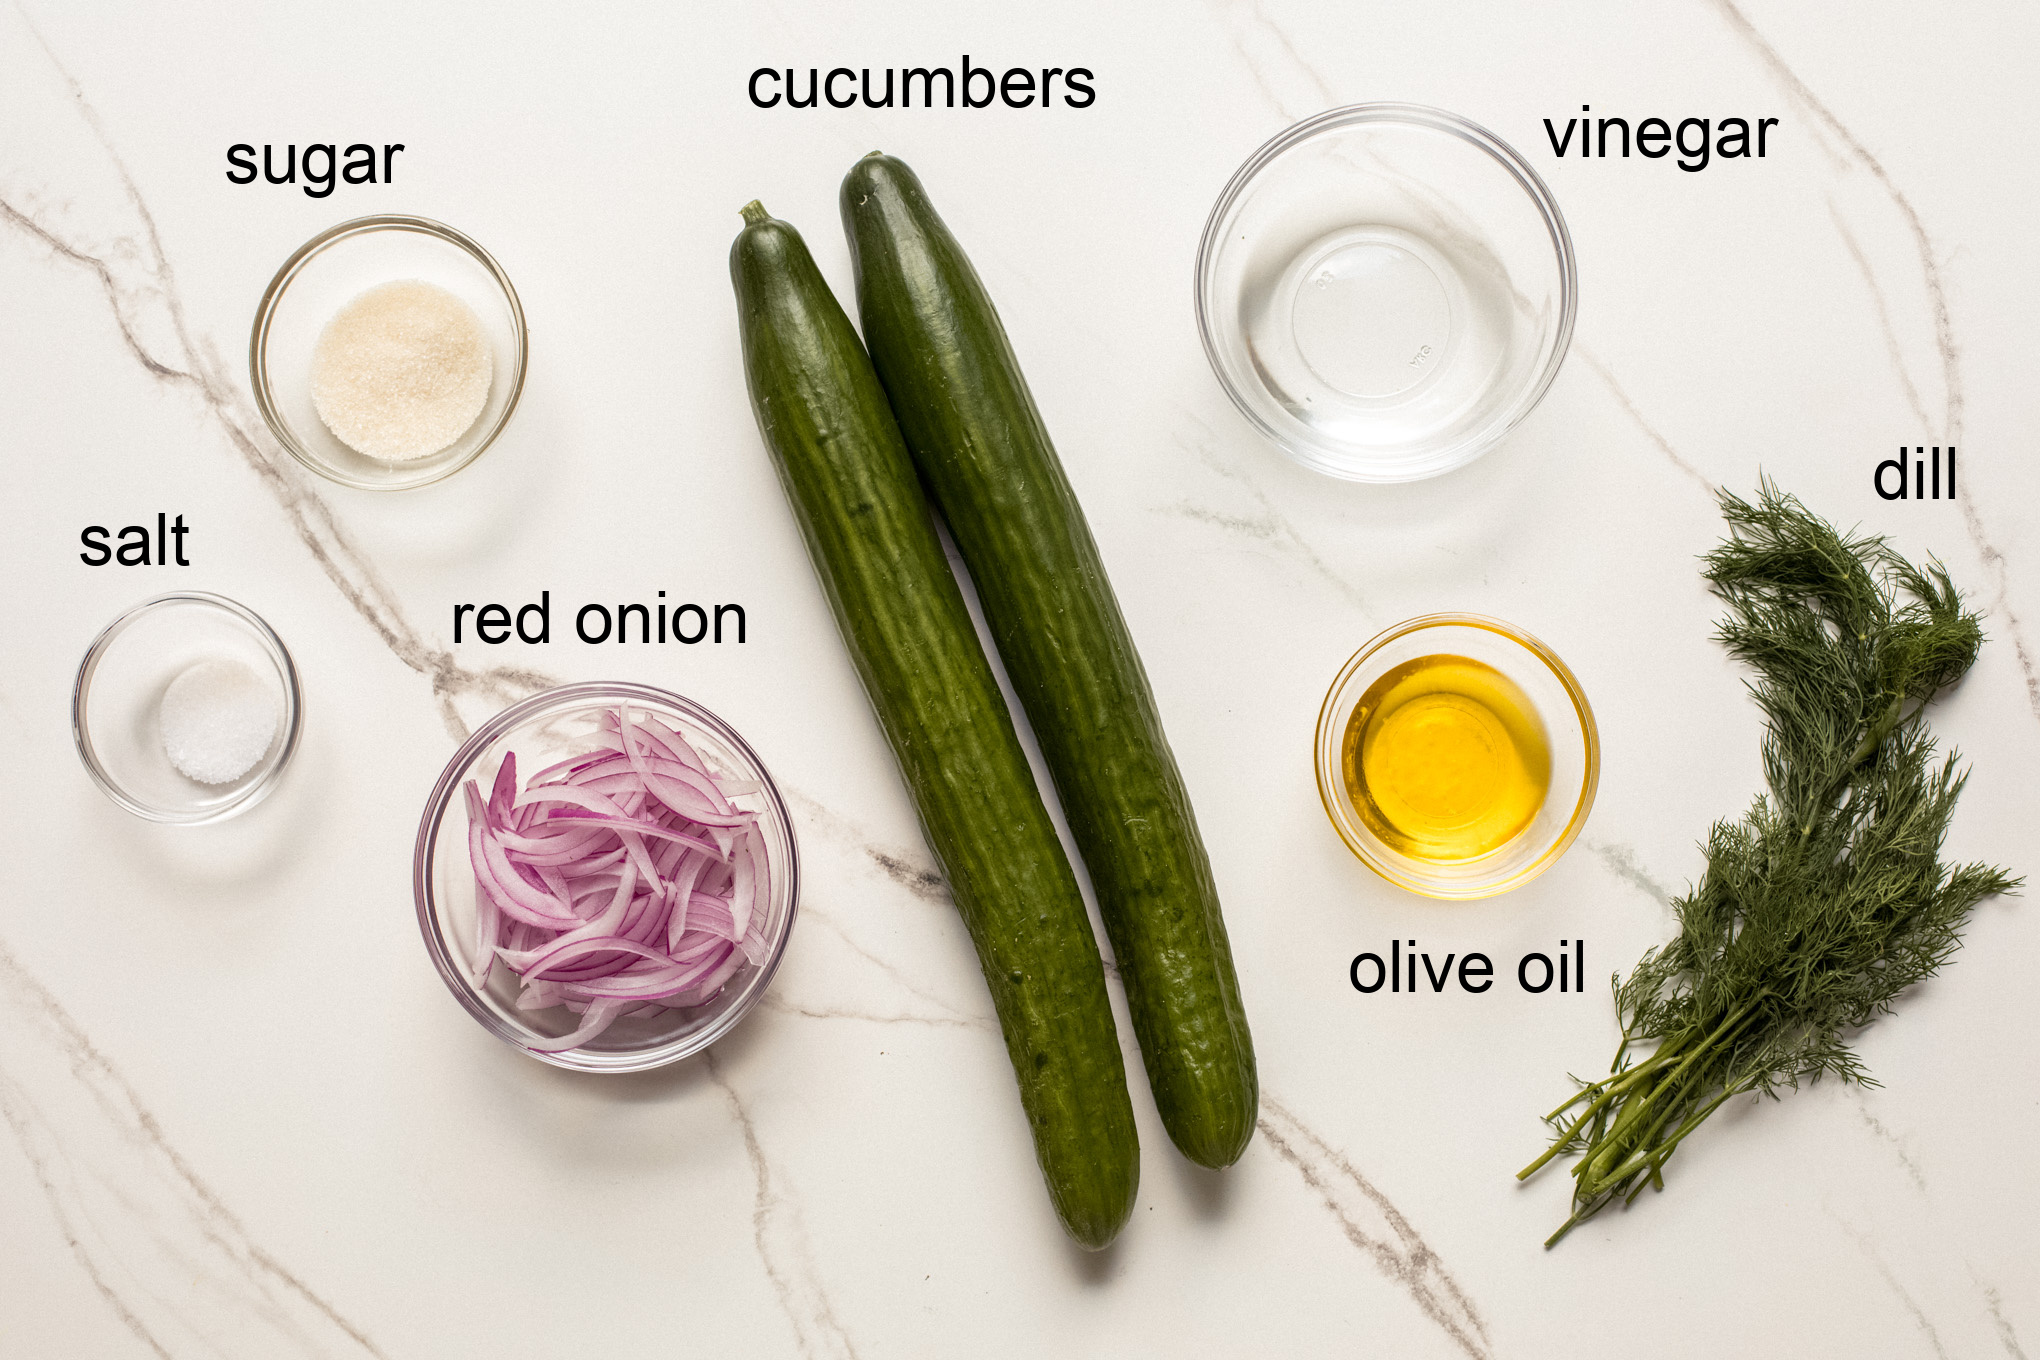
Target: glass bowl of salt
pixel 187 709
pixel 388 352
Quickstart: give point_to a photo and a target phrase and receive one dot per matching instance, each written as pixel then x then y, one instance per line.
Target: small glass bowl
pixel 542 730
pixel 120 687
pixel 1568 724
pixel 1386 290
pixel 331 270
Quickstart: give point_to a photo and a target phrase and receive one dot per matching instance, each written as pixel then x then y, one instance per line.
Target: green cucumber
pixel 867 527
pixel 985 456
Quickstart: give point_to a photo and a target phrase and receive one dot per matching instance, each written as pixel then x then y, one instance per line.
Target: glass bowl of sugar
pixel 187 709
pixel 388 352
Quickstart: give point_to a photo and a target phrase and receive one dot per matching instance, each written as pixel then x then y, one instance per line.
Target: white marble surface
pixel 242 1118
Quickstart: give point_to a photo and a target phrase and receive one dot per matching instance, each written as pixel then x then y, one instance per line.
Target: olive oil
pixel 1445 759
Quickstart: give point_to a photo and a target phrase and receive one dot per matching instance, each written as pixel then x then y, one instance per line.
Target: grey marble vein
pixel 1884 1135
pixel 901 978
pixel 171 1261
pixel 1938 305
pixel 1884 321
pixel 1266 524
pixel 810 1012
pixel 1602 370
pixel 1803 95
pixel 2008 1337
pixel 1376 1227
pixel 1286 79
pixel 140 285
pixel 782 1242
pixel 904 867
pixel 1921 1321
pixel 1623 862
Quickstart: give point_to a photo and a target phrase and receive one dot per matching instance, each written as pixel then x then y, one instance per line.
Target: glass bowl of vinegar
pixel 1385 291
pixel 1457 756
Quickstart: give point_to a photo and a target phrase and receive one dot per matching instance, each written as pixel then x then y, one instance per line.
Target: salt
pixel 217 720
pixel 402 371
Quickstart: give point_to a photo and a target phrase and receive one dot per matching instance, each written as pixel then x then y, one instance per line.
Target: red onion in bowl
pixel 634 874
pixel 629 903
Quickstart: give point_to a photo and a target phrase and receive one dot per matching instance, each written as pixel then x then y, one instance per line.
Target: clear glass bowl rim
pixel 1419 115
pixel 1590 737
pixel 265 311
pixel 293 711
pixel 565 698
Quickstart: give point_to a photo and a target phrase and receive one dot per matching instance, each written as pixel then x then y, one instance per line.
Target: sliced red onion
pixel 504 791
pixel 579 796
pixel 512 893
pixel 619 882
pixel 553 959
pixel 680 888
pixel 597 1019
pixel 640 826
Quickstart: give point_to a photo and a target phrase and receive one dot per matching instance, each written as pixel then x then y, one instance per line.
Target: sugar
pixel 217 720
pixel 402 371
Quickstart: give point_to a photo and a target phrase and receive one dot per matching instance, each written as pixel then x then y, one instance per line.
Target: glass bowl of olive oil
pixel 1457 756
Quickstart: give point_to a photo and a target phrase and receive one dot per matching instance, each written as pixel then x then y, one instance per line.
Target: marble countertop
pixel 241 1117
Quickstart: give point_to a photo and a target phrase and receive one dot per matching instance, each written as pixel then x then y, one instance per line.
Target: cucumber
pixel 867 527
pixel 985 456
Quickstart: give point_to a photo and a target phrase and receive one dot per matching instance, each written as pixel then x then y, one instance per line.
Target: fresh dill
pixel 1828 898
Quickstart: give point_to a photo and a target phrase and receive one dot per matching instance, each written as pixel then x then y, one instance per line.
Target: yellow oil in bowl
pixel 1445 759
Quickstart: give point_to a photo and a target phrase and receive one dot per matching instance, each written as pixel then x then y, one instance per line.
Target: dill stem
pixel 1600 1127
pixel 1635 1112
pixel 1666 1148
pixel 1564 1138
pixel 1612 1147
pixel 1618 1079
pixel 1695 1120
pixel 1579 1216
pixel 1646 1150
pixel 1721 1032
pixel 1610 1088
pixel 1874 735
